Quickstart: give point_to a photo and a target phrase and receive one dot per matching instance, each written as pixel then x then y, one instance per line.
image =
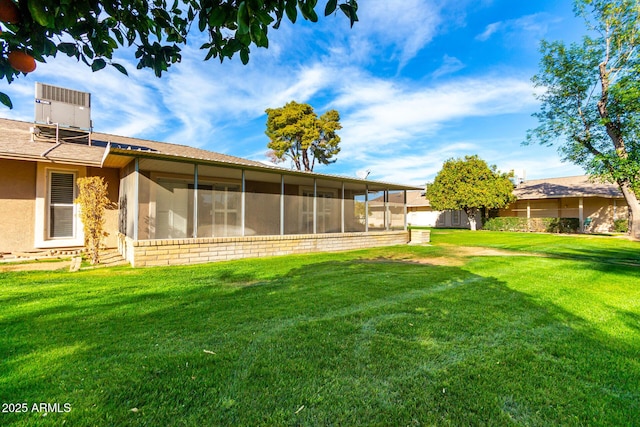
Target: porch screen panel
pixel 329 207
pixel 262 203
pixel 219 202
pixel 396 210
pixel 127 200
pixel 377 210
pixel 298 205
pixel 61 209
pixel 166 196
pixel 354 207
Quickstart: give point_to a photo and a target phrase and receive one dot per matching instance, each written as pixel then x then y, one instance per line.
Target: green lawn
pixel 392 337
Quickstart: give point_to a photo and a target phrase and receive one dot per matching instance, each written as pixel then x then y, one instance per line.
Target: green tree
pixel 470 184
pixel 92 30
pixel 591 97
pixel 296 132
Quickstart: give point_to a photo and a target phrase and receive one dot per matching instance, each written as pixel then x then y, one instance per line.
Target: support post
pixel 194 234
pixel 404 203
pixel 366 208
pixel 342 209
pixel 315 206
pixel 136 205
pixel 282 205
pixel 243 203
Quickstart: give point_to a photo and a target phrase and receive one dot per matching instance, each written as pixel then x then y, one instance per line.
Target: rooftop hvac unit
pixel 65 107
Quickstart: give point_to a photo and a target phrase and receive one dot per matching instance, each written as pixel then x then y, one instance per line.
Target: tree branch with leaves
pixel 591 97
pixel 92 30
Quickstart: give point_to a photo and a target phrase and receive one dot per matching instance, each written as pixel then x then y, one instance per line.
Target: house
pixel 420 213
pixel 175 204
pixel 597 205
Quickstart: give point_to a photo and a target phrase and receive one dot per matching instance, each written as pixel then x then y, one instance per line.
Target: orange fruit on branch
pixel 9 12
pixel 21 61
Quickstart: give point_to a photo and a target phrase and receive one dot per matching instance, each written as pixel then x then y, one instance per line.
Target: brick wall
pixel 146 253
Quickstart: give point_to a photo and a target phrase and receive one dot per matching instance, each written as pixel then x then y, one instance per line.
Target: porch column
pixel 242 203
pixel 581 213
pixel 136 205
pixel 342 209
pixel 281 205
pixel 194 234
pixel 386 210
pixel 315 206
pixel 366 208
pixel 405 208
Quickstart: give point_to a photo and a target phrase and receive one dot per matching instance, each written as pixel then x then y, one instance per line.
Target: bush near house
pixel 621 226
pixel 548 225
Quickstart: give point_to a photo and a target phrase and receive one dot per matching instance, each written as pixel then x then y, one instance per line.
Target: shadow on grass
pixel 335 342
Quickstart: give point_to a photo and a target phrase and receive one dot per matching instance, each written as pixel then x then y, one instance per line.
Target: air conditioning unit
pixel 65 107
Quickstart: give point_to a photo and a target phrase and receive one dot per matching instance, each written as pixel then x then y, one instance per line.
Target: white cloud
pixel 405 27
pixel 535 25
pixel 449 65
pixel 489 31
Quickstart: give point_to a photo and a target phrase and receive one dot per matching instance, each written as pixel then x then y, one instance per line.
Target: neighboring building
pixel 174 204
pixel 595 204
pixel 420 213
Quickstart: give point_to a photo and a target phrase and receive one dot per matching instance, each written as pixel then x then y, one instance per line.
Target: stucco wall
pixel 193 251
pixel 17 205
pixel 23 205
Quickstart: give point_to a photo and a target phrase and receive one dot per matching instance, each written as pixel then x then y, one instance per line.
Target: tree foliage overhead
pixel 591 97
pixel 297 133
pixel 92 30
pixel 469 184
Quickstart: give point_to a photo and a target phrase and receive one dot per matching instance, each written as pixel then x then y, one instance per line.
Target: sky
pixel 415 82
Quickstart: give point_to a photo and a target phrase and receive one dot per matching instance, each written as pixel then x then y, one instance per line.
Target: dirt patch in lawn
pixel 463 252
pixel 459 255
pixel 31 266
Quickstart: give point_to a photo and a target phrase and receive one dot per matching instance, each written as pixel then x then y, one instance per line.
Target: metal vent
pixel 60 94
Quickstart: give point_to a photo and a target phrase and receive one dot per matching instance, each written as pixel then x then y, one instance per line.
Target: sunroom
pixel 178 210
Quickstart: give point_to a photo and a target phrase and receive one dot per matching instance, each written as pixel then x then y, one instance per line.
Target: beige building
pixel 174 204
pixel 595 204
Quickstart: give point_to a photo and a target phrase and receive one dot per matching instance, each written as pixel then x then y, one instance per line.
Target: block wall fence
pixel 147 253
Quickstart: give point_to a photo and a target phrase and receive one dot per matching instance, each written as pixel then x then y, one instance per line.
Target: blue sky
pixel 415 85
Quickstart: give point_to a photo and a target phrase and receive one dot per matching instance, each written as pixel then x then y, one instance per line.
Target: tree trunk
pixel 634 207
pixel 472 214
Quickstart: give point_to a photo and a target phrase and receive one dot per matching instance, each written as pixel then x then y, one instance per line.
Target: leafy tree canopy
pixel 591 97
pixel 296 132
pixel 92 30
pixel 469 184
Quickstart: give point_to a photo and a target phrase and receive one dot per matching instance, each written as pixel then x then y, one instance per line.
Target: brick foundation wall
pixel 147 253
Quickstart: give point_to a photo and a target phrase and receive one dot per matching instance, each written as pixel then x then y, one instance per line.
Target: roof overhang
pixel 119 158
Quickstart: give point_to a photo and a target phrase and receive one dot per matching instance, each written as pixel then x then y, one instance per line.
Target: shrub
pixel 549 225
pixel 93 201
pixel 621 225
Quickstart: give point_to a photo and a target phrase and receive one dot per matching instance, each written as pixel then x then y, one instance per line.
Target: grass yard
pixel 477 329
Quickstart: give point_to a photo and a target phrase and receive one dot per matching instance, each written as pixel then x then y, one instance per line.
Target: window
pixel 455 217
pixel 61 207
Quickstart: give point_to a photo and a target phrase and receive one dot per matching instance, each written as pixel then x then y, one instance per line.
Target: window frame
pixel 50 204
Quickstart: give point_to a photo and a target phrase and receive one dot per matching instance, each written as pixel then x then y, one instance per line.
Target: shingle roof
pixel 573 186
pixel 111 150
pixel 15 143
